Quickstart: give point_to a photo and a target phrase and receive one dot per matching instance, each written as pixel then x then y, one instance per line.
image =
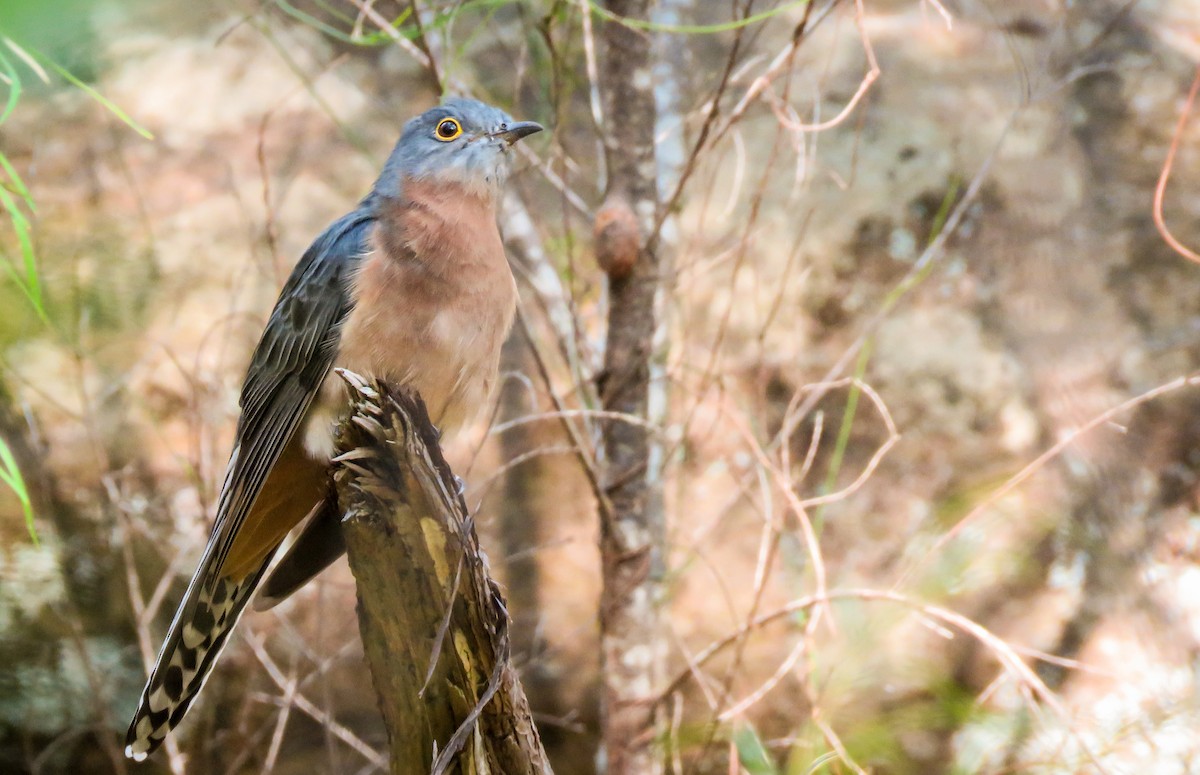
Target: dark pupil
pixel 447 128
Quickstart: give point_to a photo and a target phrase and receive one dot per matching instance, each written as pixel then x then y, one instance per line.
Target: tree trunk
pixel 632 533
pixel 434 625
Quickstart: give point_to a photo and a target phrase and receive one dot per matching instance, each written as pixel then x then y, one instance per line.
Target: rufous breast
pixel 434 301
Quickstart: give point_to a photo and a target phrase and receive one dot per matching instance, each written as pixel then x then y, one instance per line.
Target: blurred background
pixel 924 353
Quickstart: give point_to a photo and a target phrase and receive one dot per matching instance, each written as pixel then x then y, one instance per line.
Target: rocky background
pixel 974 240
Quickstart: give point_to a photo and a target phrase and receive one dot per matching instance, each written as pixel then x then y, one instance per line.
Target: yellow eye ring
pixel 448 129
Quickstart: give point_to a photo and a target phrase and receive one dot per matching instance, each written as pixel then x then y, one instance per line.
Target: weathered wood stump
pixel 434 624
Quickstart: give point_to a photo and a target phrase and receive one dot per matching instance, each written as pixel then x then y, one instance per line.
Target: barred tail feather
pixel 192 646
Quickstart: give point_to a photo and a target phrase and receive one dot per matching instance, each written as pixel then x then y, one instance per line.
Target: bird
pixel 411 287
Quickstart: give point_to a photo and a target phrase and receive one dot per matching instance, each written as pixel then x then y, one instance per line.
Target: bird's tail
pixel 320 543
pixel 211 608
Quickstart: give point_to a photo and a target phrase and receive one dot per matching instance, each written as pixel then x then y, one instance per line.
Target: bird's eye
pixel 448 129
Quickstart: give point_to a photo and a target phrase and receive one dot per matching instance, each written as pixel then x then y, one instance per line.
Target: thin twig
pixel 1161 189
pixel 1037 463
pixel 304 705
pixel 873 73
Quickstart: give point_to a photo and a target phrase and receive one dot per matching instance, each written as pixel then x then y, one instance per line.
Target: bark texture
pixel 632 519
pixel 425 597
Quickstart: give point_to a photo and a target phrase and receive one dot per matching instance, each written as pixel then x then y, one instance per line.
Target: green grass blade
pixel 314 22
pixel 108 104
pixel 752 754
pixel 10 475
pixel 692 29
pixel 14 86
pixel 843 437
pixel 366 39
pixel 28 59
pixel 16 185
pixel 21 226
pixel 10 266
pixel 337 13
pixel 864 356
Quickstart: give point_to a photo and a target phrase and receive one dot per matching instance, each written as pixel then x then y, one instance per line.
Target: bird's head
pixel 461 141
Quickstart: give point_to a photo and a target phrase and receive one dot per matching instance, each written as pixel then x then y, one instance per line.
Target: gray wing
pixel 291 361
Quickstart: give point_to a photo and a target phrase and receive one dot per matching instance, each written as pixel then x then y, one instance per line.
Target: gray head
pixel 461 141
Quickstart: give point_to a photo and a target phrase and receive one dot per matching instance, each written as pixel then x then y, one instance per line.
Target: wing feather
pixel 291 361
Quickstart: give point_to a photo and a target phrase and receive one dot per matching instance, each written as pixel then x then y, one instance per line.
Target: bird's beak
pixel 514 132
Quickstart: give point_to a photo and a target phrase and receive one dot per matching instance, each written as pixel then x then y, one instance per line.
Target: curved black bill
pixel 514 132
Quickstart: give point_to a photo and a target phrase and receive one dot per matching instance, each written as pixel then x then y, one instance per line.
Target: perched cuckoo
pixel 411 287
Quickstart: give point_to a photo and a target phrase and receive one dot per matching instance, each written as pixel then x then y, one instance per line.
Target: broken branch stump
pixel 433 623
